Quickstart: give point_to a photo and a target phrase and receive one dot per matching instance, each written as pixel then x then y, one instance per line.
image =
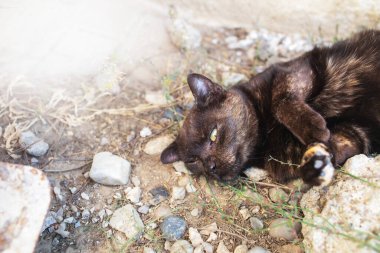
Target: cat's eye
pixel 213 135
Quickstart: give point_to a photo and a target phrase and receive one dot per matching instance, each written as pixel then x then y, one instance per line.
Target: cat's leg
pixel 319 160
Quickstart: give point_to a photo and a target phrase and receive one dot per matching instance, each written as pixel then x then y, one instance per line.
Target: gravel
pixel 32 144
pixel 256 223
pixel 157 145
pixel 284 228
pixel 173 228
pixel 127 220
pixel 181 246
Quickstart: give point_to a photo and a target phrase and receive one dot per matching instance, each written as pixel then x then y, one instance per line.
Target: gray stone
pixel 157 145
pixel 258 249
pixel 109 169
pixel 85 196
pixel 62 230
pixel 173 228
pixel 350 205
pixel 178 193
pixel 32 144
pixel 256 174
pixel 181 246
pixel 127 220
pixel 256 224
pixel 278 195
pixel 158 194
pixel 241 249
pixel 284 228
pixel 143 209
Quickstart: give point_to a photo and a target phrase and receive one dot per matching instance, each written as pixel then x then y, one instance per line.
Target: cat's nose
pixel 211 166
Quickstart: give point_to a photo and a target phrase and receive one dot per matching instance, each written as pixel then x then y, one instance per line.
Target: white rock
pixel 127 220
pixel 206 230
pixel 258 249
pixel 135 181
pixel 207 247
pixel 69 220
pixel 143 209
pixel 195 212
pixel 350 205
pixel 212 237
pixel 110 169
pixel 241 249
pixel 256 174
pixel 190 188
pixel 151 226
pixel 181 167
pixel 73 190
pixel 57 192
pixel 85 196
pixel 222 248
pixel 157 145
pixel 148 250
pixel 155 98
pixel 195 237
pixel 32 144
pixel 145 132
pixel 62 230
pixel 134 195
pixel 181 246
pixel 183 35
pixel 244 212
pixel 86 214
pixel 104 141
pixel 178 193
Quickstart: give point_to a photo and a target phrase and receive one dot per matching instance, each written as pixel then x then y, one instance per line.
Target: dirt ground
pixel 82 120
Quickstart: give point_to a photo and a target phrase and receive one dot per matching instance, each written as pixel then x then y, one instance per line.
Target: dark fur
pixel 328 95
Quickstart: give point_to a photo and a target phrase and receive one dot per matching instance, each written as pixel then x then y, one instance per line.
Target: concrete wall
pixel 59 40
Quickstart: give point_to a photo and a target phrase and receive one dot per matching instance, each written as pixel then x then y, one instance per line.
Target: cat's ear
pixel 203 89
pixel 170 154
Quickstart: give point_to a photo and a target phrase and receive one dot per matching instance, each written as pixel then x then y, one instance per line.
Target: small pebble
pixel 143 209
pixel 222 248
pixel 131 136
pixel 181 167
pixel 162 211
pixel 104 141
pixel 206 230
pixel 134 195
pixel 151 226
pixel 256 174
pixel 173 228
pixel 244 212
pixel 195 237
pixel 157 145
pixel 86 214
pixel 190 188
pixel 148 250
pixel 181 246
pixel 85 196
pixel 145 132
pixel 136 181
pixel 258 249
pixel 195 212
pixel 256 224
pixel 212 237
pixel 158 194
pixel 241 249
pixel 284 228
pixel 34 161
pixel 291 248
pixel 178 193
pixel 278 195
pixel 32 144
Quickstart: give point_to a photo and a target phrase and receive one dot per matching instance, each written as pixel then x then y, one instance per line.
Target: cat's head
pixel 218 133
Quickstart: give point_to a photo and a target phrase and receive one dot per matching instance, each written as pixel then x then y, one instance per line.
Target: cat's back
pixel 347 74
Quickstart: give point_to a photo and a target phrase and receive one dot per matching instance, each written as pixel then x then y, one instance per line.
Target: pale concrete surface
pixel 57 42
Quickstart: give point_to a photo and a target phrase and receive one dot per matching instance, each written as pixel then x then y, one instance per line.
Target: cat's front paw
pixel 316 167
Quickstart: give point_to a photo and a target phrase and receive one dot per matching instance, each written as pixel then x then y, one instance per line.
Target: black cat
pixel 316 111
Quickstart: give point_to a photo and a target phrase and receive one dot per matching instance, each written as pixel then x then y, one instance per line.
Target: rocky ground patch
pixel 100 150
